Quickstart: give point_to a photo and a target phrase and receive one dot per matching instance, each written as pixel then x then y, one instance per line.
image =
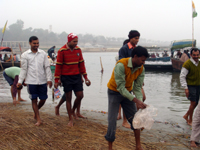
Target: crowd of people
pixel 125 87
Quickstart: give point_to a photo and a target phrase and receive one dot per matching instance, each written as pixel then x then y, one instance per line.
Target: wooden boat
pixel 10 62
pixel 158 67
pixel 158 59
pixel 180 45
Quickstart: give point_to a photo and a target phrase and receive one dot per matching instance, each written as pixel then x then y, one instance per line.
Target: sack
pixel 57 93
pixel 144 118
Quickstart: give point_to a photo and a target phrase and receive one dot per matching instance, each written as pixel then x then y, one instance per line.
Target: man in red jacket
pixel 69 69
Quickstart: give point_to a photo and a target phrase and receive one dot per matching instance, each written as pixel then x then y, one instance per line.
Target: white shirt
pixel 184 73
pixel 35 68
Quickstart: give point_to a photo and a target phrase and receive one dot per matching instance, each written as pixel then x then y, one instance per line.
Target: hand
pixel 49 83
pixel 56 85
pixel 87 82
pixel 139 103
pixel 187 93
pixel 19 86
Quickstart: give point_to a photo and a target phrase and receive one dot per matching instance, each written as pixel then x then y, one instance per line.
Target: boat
pixel 158 59
pixel 10 62
pixel 180 45
pixel 158 66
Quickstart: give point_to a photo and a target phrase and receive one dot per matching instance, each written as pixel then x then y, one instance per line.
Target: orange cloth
pixel 128 76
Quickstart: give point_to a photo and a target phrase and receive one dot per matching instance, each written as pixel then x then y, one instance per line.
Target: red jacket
pixel 69 62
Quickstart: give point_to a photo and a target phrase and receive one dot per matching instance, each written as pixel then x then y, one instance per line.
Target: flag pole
pixel 3 31
pixel 192 26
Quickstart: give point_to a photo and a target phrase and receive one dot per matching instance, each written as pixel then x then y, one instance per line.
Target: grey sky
pixel 164 20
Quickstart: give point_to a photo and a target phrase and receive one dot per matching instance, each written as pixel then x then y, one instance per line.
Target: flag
pixel 194 13
pixel 4 27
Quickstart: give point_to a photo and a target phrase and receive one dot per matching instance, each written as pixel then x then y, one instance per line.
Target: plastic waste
pixel 57 93
pixel 144 117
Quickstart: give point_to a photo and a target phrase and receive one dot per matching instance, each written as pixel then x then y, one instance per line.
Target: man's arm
pixel 24 66
pixel 183 75
pixel 82 66
pixel 122 53
pixel 183 81
pixel 119 73
pixel 137 85
pixel 47 68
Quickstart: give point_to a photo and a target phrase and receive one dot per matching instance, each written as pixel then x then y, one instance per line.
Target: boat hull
pixel 176 64
pixel 9 64
pixel 158 67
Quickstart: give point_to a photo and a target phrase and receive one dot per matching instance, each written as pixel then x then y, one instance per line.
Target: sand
pixel 17 131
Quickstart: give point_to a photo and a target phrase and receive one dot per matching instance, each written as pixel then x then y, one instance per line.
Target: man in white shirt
pixel 35 68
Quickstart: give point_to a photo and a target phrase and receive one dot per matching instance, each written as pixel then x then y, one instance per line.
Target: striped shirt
pixel 69 62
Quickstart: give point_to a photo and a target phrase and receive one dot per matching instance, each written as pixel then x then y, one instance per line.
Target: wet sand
pixel 19 132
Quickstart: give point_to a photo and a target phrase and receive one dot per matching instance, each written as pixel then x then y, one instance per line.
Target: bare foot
pixel 38 123
pixel 186 118
pixel 14 102
pixel 18 102
pixel 193 144
pixel 21 100
pixel 57 111
pixel 126 125
pixel 189 123
pixel 119 117
pixel 70 124
pixel 81 116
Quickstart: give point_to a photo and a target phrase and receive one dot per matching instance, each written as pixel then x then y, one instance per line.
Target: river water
pixel 162 89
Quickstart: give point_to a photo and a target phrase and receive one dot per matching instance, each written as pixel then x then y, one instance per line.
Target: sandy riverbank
pixel 17 131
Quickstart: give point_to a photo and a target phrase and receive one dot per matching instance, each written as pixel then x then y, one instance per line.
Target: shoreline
pixel 163 135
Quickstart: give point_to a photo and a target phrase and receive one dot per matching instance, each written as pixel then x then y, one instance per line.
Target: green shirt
pixel 12 71
pixel 119 73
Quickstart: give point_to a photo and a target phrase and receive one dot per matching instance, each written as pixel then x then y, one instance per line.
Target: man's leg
pixel 77 104
pixel 36 112
pixel 13 97
pixel 19 96
pixel 41 103
pixel 69 109
pixel 119 113
pixel 130 109
pixel 125 122
pixel 63 99
pixel 193 104
pixel 114 99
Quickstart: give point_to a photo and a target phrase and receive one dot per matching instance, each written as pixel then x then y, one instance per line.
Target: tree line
pixel 16 32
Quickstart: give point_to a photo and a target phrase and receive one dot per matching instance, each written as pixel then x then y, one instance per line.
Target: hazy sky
pixel 164 20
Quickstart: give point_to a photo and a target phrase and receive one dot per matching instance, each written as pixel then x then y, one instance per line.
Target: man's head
pixel 34 43
pixel 134 36
pixel 194 53
pixel 139 55
pixel 72 40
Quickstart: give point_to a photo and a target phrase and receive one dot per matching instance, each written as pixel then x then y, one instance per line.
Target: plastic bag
pixel 57 93
pixel 144 117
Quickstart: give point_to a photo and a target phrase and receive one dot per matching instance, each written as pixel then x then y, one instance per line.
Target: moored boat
pixel 180 45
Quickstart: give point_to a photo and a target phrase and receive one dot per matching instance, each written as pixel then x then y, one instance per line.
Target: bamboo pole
pixel 20 53
pixel 12 57
pixel 1 65
pixel 101 65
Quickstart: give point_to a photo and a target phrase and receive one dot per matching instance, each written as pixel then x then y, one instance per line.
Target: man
pixel 70 66
pixel 11 75
pixel 127 75
pixel 129 44
pixel 35 68
pixel 124 52
pixel 190 81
